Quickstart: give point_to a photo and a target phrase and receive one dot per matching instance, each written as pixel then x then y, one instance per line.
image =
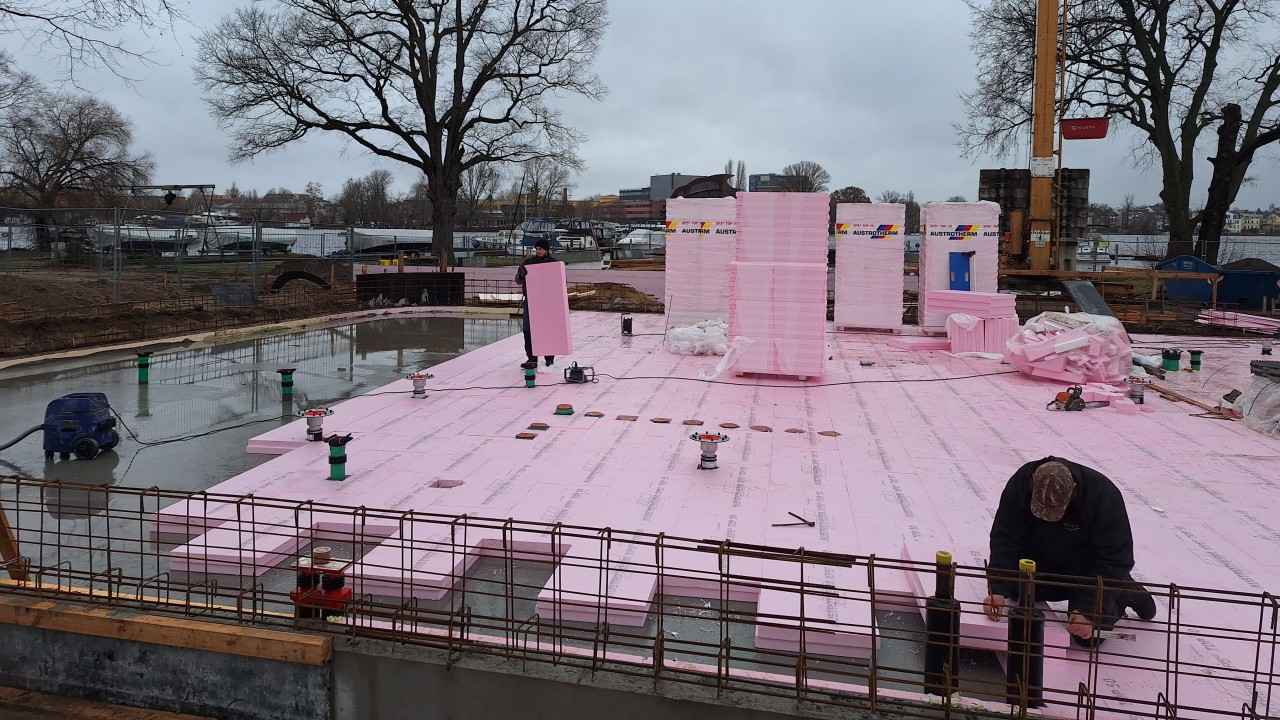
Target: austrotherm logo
pixel 965 232
pixel 885 231
pixel 878 232
pixel 693 227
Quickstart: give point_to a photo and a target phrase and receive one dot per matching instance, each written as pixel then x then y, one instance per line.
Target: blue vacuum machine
pixel 79 424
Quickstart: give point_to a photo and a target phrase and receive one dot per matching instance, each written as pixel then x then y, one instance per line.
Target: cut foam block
pixel 919 343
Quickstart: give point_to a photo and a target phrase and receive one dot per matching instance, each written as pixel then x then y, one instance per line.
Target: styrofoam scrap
pixel 1094 348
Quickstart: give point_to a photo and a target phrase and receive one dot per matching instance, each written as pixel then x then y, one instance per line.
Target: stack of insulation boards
pixel 965 232
pixel 700 244
pixel 778 287
pixel 976 321
pixel 869 255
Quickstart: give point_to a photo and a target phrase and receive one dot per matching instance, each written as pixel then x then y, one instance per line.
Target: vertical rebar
pixel 1025 673
pixel 942 629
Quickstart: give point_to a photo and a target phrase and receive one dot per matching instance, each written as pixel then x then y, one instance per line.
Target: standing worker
pixel 1071 520
pixel 541 254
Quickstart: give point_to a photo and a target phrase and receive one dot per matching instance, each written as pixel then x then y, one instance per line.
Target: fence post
pixel 117 261
pixel 8 253
pixel 257 252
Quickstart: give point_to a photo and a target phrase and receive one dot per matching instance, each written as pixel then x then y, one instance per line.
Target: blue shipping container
pixel 1242 288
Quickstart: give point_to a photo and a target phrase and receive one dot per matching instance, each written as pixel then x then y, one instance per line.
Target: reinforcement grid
pixel 501 592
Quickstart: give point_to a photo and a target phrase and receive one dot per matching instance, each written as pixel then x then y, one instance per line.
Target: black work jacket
pixel 533 259
pixel 1092 540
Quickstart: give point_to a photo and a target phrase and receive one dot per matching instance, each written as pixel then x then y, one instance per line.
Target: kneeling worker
pixel 1071 520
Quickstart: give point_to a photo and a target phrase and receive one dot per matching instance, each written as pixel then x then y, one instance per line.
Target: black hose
pixel 21 437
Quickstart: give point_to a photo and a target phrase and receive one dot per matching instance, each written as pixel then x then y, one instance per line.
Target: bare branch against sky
pixel 76 36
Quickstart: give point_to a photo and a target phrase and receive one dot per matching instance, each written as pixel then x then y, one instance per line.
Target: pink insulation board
pixel 826 623
pixel 976 630
pixel 869 271
pixel 786 328
pixel 919 343
pixel 981 335
pixel 701 239
pixel 548 296
pixel 924 449
pixel 787 282
pixel 957 228
pixel 979 304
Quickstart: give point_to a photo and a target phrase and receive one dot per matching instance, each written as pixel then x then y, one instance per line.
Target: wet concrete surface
pixel 187 428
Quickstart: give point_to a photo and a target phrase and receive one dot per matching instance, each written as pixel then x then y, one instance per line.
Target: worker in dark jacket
pixel 541 254
pixel 1071 520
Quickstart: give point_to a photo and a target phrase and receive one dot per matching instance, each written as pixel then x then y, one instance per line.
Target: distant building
pixel 1250 223
pixel 661 186
pixel 1233 223
pixel 772 182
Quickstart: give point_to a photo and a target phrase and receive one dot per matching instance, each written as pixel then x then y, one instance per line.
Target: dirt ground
pixel 611 296
pixel 67 290
pixel 44 311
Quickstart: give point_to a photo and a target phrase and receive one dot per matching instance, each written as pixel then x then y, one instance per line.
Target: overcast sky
pixel 866 88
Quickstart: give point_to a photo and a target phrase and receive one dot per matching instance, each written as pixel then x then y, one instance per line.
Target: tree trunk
pixel 1180 227
pixel 1214 217
pixel 444 217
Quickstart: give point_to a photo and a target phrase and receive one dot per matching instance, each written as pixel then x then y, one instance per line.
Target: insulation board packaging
pixel 777 293
pixel 869 255
pixel 959 250
pixel 701 235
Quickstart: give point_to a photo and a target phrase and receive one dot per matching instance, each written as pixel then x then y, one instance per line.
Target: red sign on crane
pixel 1085 128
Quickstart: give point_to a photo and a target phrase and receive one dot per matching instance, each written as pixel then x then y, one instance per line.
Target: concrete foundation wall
pixel 374 681
pixel 162 677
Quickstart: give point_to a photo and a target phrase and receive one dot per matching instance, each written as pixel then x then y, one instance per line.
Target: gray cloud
pixel 867 89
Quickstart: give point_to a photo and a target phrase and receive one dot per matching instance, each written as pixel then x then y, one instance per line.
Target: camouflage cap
pixel 1051 488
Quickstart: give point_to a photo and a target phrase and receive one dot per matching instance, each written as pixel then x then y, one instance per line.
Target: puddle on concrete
pixel 201 406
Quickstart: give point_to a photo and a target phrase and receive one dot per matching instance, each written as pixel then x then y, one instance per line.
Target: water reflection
pixel 187 429
pixel 86 492
pixel 430 334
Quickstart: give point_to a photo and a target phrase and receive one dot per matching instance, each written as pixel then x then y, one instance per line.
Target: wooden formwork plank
pixel 9 549
pixel 161 630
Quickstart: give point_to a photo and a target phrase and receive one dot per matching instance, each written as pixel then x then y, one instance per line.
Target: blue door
pixel 961 269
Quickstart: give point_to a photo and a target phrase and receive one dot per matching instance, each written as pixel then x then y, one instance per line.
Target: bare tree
pixel 1127 212
pixel 78 34
pixel 367 201
pixel 957 198
pixel 417 203
pixel 1165 67
pixel 313 199
pixel 16 86
pixel 805 176
pixel 913 207
pixel 440 86
pixel 59 144
pixel 543 180
pixel 479 183
pixel 741 183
